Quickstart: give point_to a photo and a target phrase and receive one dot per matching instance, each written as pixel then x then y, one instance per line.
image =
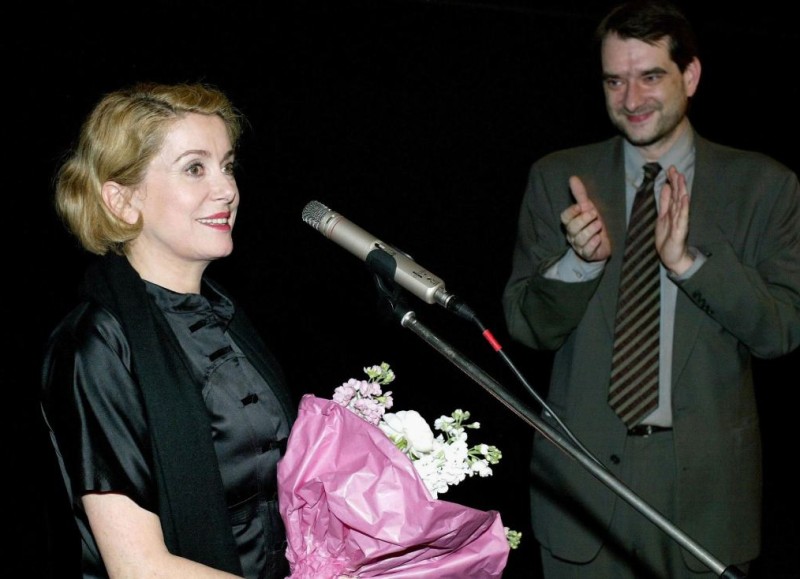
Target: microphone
pixel 381 257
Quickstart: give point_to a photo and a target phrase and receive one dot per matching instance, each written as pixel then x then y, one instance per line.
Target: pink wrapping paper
pixel 354 505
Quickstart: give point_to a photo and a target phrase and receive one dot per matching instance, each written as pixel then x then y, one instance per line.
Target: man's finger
pixel 579 191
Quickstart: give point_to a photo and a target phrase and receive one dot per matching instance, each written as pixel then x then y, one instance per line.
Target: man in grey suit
pixel 727 234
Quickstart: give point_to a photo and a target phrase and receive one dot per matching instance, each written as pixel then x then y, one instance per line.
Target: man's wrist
pixel 687 265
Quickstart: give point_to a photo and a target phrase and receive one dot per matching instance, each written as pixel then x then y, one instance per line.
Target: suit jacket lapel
pixel 610 198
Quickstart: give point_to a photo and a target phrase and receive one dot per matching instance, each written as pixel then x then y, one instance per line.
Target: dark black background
pixel 415 120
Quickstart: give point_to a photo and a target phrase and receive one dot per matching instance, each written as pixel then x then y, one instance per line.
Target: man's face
pixel 646 94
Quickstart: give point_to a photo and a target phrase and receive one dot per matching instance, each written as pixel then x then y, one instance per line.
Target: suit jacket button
pixel 615 459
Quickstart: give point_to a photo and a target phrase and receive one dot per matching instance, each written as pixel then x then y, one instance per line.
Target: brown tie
pixel 633 393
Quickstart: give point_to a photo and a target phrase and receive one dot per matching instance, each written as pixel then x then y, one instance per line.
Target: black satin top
pixel 99 425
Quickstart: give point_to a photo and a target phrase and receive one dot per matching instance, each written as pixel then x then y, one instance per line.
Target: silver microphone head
pixel 313 213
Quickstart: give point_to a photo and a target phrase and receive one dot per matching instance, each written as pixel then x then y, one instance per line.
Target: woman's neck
pixel 176 275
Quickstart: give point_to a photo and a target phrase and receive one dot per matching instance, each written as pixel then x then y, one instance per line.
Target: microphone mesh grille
pixel 313 213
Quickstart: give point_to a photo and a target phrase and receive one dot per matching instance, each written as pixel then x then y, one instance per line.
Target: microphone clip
pixel 390 294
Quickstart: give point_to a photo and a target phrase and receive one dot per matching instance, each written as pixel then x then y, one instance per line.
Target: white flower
pixel 408 425
pixel 481 467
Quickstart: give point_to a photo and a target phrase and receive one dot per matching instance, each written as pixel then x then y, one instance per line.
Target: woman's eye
pixel 195 169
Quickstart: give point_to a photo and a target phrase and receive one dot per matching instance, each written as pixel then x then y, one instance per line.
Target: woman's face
pixel 188 198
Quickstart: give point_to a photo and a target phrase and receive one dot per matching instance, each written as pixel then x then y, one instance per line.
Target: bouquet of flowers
pixel 359 486
pixel 443 460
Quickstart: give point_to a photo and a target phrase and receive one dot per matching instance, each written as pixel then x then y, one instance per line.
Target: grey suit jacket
pixel 744 301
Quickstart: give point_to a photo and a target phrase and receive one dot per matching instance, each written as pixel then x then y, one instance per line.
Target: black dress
pixel 99 426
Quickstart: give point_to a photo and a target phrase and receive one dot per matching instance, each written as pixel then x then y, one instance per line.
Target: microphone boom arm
pixel 409 320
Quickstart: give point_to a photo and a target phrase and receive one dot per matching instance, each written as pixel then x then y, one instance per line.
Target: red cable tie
pixel 490 338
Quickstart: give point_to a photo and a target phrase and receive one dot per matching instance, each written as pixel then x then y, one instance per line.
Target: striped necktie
pixel 633 392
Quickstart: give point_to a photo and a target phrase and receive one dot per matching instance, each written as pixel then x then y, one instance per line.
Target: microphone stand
pixel 408 320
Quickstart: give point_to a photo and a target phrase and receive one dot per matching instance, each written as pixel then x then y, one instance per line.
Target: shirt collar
pixel 210 299
pixel 681 154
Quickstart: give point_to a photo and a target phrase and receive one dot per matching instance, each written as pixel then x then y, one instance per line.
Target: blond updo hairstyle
pixel 122 134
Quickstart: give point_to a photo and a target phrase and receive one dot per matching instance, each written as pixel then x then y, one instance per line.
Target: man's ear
pixel 691 76
pixel 120 201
